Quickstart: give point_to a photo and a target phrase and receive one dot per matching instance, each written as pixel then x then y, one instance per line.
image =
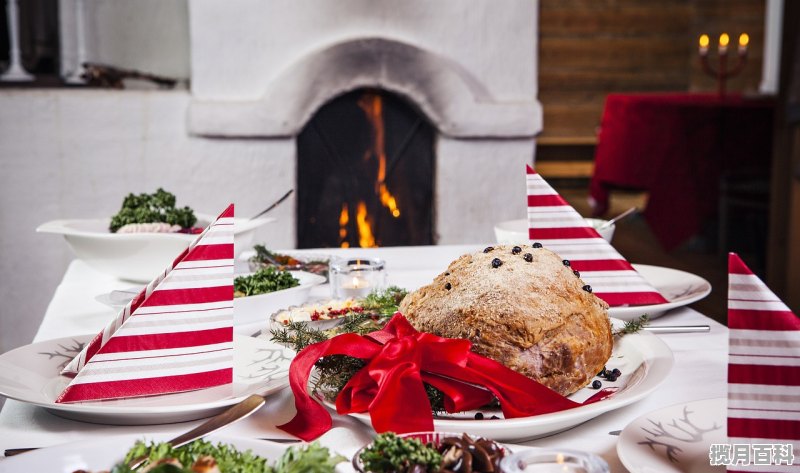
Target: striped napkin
pixel 174 336
pixel 763 368
pixel 560 228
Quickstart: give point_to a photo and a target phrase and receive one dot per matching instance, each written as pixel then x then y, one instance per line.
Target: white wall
pixel 76 153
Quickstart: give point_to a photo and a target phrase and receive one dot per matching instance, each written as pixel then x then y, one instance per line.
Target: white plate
pixel 675 439
pixel 644 360
pixel 102 453
pixel 678 287
pixel 137 256
pixel 31 374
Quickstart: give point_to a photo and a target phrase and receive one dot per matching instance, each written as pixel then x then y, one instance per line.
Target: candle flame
pixel 744 39
pixel 704 40
pixel 724 39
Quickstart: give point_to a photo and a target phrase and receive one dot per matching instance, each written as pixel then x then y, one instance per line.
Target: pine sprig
pixel 632 326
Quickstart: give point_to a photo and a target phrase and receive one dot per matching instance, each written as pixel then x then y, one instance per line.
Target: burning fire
pixel 365 237
pixel 372 104
pixel 344 219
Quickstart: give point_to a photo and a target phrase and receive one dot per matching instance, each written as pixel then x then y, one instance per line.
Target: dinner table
pixel 699 370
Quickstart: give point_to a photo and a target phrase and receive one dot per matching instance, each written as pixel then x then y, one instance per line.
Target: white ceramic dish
pixel 137 256
pixel 644 360
pixel 678 287
pixel 516 231
pixel 675 439
pixel 100 454
pixel 254 309
pixel 31 374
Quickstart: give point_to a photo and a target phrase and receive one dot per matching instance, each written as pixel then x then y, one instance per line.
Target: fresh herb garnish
pixel 311 458
pixel 390 453
pixel 152 208
pixel 632 326
pixel 263 281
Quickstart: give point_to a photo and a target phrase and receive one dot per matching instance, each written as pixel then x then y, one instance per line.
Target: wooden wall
pixel 590 48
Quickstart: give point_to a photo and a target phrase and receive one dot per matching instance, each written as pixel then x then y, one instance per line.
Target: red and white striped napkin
pixel 763 367
pixel 560 228
pixel 175 336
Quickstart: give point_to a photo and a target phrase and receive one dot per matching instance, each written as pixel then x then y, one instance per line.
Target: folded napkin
pixel 560 228
pixel 763 369
pixel 176 335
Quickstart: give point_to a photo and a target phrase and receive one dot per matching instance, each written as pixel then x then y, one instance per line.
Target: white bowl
pixel 138 257
pixel 516 231
pixel 252 309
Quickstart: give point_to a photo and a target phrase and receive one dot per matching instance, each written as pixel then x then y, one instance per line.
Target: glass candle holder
pixel 545 460
pixel 356 277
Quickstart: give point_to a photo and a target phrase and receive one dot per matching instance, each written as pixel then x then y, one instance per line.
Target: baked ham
pixel 523 307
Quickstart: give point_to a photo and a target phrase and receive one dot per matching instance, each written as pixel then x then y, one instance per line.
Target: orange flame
pixel 344 218
pixel 365 237
pixel 372 104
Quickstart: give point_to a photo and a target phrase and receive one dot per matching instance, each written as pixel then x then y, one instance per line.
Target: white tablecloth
pixel 698 373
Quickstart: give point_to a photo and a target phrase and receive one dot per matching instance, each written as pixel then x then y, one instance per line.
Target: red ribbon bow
pixel 399 359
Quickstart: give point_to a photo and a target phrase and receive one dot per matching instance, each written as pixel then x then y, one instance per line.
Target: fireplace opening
pixel 365 178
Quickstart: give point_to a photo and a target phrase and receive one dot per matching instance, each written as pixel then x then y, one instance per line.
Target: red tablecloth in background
pixel 676 147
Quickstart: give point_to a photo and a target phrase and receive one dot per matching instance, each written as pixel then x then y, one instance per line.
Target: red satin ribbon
pixel 399 359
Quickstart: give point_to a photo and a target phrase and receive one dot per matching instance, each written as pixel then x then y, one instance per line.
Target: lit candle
pixel 704 44
pixel 357 287
pixel 744 39
pixel 724 39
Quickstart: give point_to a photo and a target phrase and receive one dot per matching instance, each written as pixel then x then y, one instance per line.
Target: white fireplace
pixel 261 69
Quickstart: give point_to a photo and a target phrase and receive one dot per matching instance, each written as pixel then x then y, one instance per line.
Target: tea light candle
pixel 356 277
pixel 539 460
pixel 356 288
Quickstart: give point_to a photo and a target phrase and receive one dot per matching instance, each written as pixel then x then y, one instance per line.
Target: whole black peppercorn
pixel 597 384
pixel 576 273
pixel 587 288
pixel 496 263
pixel 537 245
pixel 488 249
pixel 566 262
pixel 516 250
pixel 448 286
pixel 527 257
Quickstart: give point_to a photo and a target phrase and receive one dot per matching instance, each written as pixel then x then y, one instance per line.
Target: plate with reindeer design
pixel 31 374
pixel 675 439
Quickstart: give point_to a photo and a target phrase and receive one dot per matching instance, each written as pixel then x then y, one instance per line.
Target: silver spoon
pixel 285 196
pixel 617 218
